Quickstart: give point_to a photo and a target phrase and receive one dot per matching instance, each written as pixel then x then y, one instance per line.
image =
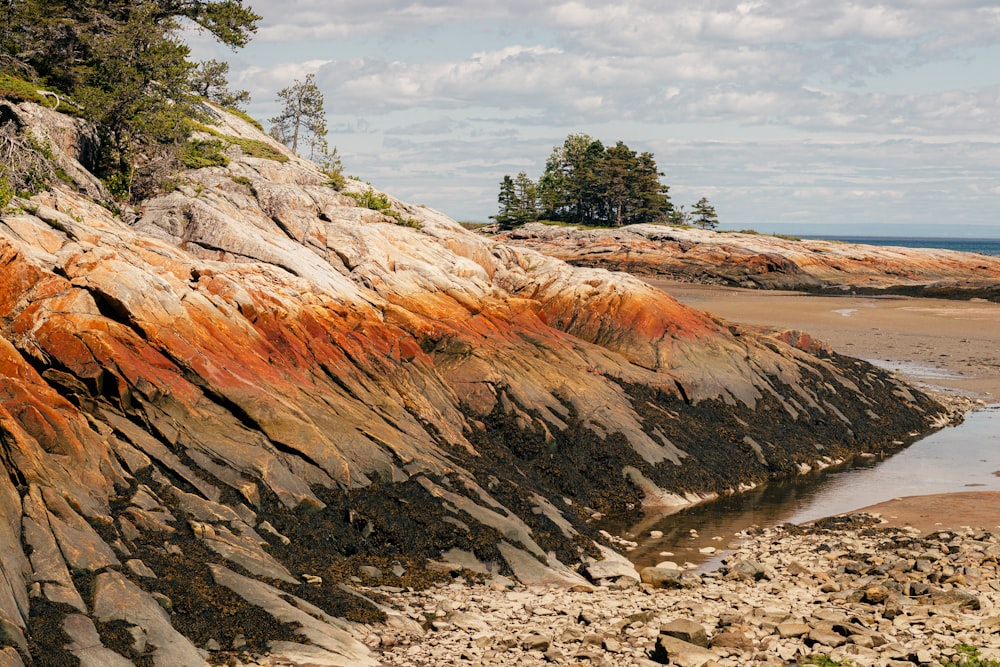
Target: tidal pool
pixel 959 458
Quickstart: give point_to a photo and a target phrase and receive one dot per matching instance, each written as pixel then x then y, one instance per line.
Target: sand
pixel 954 345
pixel 944 345
pixel 944 511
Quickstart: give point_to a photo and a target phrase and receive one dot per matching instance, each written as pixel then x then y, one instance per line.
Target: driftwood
pixel 59 99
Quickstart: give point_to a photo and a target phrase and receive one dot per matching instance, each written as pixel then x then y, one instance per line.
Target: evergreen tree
pixel 302 117
pixel 586 183
pixel 209 80
pixel 518 201
pixel 123 63
pixel 704 214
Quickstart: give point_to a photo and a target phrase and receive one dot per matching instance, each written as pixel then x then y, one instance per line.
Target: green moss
pixel 249 147
pixel 247 117
pixel 14 88
pixel 378 201
pixel 200 153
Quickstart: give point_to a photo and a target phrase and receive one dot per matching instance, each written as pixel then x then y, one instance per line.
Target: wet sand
pixel 948 344
pixel 945 511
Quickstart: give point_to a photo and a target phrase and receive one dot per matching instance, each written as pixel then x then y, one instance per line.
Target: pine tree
pixel 704 214
pixel 123 63
pixel 209 81
pixel 586 183
pixel 518 201
pixel 302 117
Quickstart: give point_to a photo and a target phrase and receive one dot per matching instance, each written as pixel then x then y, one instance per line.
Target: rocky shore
pixel 226 410
pixel 744 259
pixel 843 590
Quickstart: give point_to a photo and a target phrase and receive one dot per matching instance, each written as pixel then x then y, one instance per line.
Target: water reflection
pixel 961 458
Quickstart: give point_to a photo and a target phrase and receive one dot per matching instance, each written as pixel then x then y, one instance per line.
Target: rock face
pixel 220 410
pixel 769 262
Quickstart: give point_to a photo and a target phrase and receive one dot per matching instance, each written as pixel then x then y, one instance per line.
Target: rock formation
pixel 770 262
pixel 222 408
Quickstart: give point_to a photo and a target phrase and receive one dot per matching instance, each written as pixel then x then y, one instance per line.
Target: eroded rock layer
pixel 768 262
pixel 219 410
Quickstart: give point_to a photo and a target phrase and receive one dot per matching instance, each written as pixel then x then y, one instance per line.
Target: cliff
pixel 768 262
pixel 225 410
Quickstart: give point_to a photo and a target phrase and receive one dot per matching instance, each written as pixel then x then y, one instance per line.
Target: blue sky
pixel 802 115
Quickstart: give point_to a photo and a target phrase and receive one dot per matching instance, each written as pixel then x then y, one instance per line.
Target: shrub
pixel 200 153
pixel 378 201
pixel 6 192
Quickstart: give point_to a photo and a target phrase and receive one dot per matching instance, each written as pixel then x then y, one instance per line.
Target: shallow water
pixel 959 458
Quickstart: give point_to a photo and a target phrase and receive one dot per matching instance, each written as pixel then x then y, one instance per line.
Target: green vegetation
pixel 704 215
pixel 249 147
pixel 247 117
pixel 14 88
pixel 586 183
pixel 969 657
pixel 818 660
pixel 200 153
pixel 123 65
pixel 208 79
pixel 378 201
pixel 6 192
pixel 302 123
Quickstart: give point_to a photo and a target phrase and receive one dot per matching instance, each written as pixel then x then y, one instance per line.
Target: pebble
pixel 865 597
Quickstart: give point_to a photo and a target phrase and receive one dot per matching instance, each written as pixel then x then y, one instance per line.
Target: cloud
pixel 835 109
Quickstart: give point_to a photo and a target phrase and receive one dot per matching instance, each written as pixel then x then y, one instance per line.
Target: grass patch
pixel 969 657
pixel 20 90
pixel 200 153
pixel 378 201
pixel 817 660
pixel 249 147
pixel 239 113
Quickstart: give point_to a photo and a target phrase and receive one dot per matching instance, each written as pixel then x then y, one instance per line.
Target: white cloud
pixel 446 96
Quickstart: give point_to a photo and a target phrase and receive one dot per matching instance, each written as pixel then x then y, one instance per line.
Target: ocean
pixel 984 246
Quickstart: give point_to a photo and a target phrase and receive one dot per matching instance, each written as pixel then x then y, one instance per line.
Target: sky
pixel 801 116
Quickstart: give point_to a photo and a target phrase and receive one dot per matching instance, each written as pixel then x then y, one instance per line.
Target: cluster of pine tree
pixel 123 66
pixel 587 183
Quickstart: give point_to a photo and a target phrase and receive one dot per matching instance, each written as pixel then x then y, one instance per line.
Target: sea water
pixel 955 459
pixel 984 246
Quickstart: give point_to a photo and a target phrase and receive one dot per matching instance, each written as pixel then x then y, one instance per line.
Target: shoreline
pixel 847 590
pixel 938 366
pixel 945 345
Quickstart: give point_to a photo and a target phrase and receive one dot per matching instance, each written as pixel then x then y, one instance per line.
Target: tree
pixel 123 63
pixel 209 81
pixel 518 201
pixel 704 214
pixel 679 216
pixel 586 183
pixel 302 114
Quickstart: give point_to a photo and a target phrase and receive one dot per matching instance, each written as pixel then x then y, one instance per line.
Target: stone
pixel 686 630
pixel 733 639
pixel 117 599
pixel 790 629
pixel 661 577
pixel 670 650
pixel 535 642
pixel 875 594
